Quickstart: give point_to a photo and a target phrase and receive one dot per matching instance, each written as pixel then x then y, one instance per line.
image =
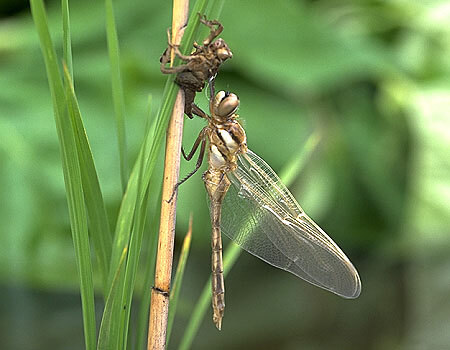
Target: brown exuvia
pixel 200 66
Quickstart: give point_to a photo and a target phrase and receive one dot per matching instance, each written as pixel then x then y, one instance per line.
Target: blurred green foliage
pixel 371 77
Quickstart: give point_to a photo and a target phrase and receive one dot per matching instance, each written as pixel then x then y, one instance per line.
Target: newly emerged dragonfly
pixel 250 204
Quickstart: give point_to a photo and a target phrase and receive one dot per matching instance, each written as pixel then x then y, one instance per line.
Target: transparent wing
pixel 261 215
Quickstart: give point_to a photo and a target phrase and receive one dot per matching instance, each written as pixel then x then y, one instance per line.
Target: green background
pixel 370 78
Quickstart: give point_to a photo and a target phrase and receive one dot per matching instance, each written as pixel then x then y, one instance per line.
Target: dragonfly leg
pixel 165 58
pixel 178 53
pixel 198 111
pixel 215 26
pixel 212 91
pixel 176 49
pixel 200 138
pixel 212 87
pixel 189 96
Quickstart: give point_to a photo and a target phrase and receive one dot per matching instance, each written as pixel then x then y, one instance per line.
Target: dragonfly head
pixel 224 105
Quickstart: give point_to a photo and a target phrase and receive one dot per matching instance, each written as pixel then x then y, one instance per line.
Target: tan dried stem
pixel 159 308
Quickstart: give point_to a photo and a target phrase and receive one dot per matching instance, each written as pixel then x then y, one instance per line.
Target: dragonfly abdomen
pixel 217 280
pixel 217 185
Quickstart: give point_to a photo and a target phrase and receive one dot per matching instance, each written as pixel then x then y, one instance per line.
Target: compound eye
pixel 226 104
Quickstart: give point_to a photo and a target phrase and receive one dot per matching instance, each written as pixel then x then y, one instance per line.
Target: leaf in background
pixel 426 238
pixel 309 56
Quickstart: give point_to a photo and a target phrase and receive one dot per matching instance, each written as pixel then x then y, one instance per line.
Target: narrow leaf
pixel 96 211
pixel 98 220
pixel 133 256
pixel 151 242
pixel 106 335
pixel 175 293
pixel 71 171
pixel 149 273
pixel 117 89
pixel 67 44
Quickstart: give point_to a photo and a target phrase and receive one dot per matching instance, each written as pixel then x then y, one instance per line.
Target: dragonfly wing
pixel 261 215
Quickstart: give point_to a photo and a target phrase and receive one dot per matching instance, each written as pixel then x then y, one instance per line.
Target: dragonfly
pixel 249 204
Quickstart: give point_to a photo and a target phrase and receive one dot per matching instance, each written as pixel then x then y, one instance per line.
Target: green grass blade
pixel 117 89
pixel 175 293
pixel 110 328
pixel 67 44
pixel 295 166
pixel 133 256
pixel 116 319
pixel 72 173
pixel 213 11
pixel 149 273
pixel 98 220
pixel 107 337
pixel 149 267
pixel 233 251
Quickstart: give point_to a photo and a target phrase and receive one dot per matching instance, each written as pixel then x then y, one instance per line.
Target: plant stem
pixel 159 308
